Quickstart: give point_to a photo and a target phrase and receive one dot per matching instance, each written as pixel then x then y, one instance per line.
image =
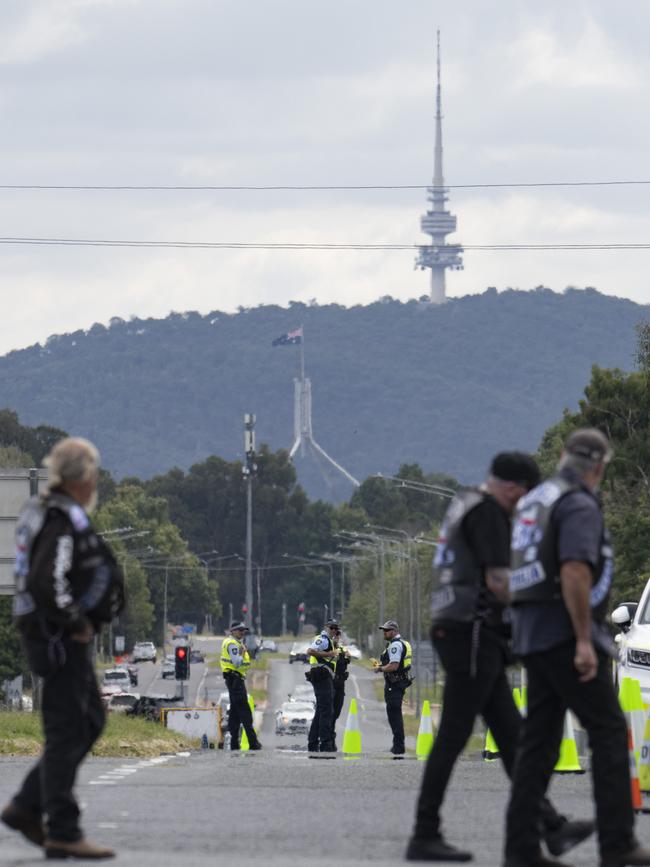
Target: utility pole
pixel 249 471
pixel 331 566
pixel 382 583
pixel 342 589
pixel 284 618
pixel 164 628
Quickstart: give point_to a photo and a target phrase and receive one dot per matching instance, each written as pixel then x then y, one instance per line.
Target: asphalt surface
pixel 282 806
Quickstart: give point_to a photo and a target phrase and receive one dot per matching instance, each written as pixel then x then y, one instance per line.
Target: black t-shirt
pixel 487 532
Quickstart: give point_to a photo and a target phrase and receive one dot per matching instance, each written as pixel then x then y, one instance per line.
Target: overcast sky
pixel 290 92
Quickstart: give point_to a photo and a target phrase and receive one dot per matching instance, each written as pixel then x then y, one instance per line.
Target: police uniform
pixel 235 662
pixel 341 674
pixel 321 677
pixel 470 636
pixel 66 579
pixel 395 684
pixel 561 521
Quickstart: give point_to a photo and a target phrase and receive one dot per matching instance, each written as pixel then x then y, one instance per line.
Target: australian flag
pixel 291 338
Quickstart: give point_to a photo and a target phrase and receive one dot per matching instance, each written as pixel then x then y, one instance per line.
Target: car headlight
pixel 638 657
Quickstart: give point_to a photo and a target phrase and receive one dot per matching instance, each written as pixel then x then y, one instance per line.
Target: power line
pixel 311 187
pixel 302 246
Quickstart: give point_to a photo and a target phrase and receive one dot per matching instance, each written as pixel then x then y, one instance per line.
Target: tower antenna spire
pixel 438 222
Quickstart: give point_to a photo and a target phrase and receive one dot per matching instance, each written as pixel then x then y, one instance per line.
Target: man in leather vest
pixel 67 585
pixel 560 581
pixel 470 636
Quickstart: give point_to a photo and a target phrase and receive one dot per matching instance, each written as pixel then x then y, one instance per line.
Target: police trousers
pixel 73 719
pixel 337 703
pixel 394 698
pixel 240 712
pixel 320 731
pixel 554 686
pixel 486 694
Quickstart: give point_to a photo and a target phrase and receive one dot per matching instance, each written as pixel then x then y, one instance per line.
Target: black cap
pixel 332 623
pixel 589 443
pixel 516 467
pixel 237 624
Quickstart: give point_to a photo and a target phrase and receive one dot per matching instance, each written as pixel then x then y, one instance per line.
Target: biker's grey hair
pixel 73 459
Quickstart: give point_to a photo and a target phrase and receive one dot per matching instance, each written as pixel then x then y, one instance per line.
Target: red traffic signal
pixel 181 663
pixel 301 607
pixel 244 609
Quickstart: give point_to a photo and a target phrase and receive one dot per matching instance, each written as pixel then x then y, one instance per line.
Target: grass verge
pixel 20 735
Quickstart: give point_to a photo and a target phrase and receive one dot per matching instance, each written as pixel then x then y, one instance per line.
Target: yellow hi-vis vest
pixel 407 657
pixel 319 662
pixel 226 662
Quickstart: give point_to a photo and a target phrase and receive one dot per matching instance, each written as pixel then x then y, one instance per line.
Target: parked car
pixel 169 666
pixel 122 702
pixel 294 718
pixel 633 619
pixel 144 651
pixel 115 680
pixel 268 646
pixel 197 656
pixel 299 652
pixel 149 706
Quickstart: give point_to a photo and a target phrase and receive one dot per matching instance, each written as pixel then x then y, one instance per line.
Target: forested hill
pixel 392 382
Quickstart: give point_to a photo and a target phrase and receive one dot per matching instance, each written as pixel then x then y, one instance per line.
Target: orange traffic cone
pixel 637 801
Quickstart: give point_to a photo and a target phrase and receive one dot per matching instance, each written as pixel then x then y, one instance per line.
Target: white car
pixel 633 619
pixel 169 666
pixel 115 680
pixel 144 651
pixel 354 651
pixel 294 718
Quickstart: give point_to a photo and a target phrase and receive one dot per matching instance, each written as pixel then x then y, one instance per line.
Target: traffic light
pixel 182 663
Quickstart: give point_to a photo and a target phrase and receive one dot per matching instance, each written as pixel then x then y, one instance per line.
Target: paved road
pixel 281 807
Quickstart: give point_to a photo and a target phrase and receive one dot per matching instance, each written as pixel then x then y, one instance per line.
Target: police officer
pixel 341 674
pixel 470 637
pixel 395 665
pixel 235 662
pixel 562 569
pixel 322 660
pixel 67 585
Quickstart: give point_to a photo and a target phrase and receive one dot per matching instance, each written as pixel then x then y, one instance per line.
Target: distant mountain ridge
pixel 392 382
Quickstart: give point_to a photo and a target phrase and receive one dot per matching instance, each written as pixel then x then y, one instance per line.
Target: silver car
pixel 294 718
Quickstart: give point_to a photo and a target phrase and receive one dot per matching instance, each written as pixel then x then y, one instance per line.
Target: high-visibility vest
pixel 319 661
pixel 226 662
pixel 407 656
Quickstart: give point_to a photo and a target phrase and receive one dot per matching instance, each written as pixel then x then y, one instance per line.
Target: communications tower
pixel 438 222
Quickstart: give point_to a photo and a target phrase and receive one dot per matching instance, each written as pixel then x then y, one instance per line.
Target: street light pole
pixel 249 471
pixel 164 626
